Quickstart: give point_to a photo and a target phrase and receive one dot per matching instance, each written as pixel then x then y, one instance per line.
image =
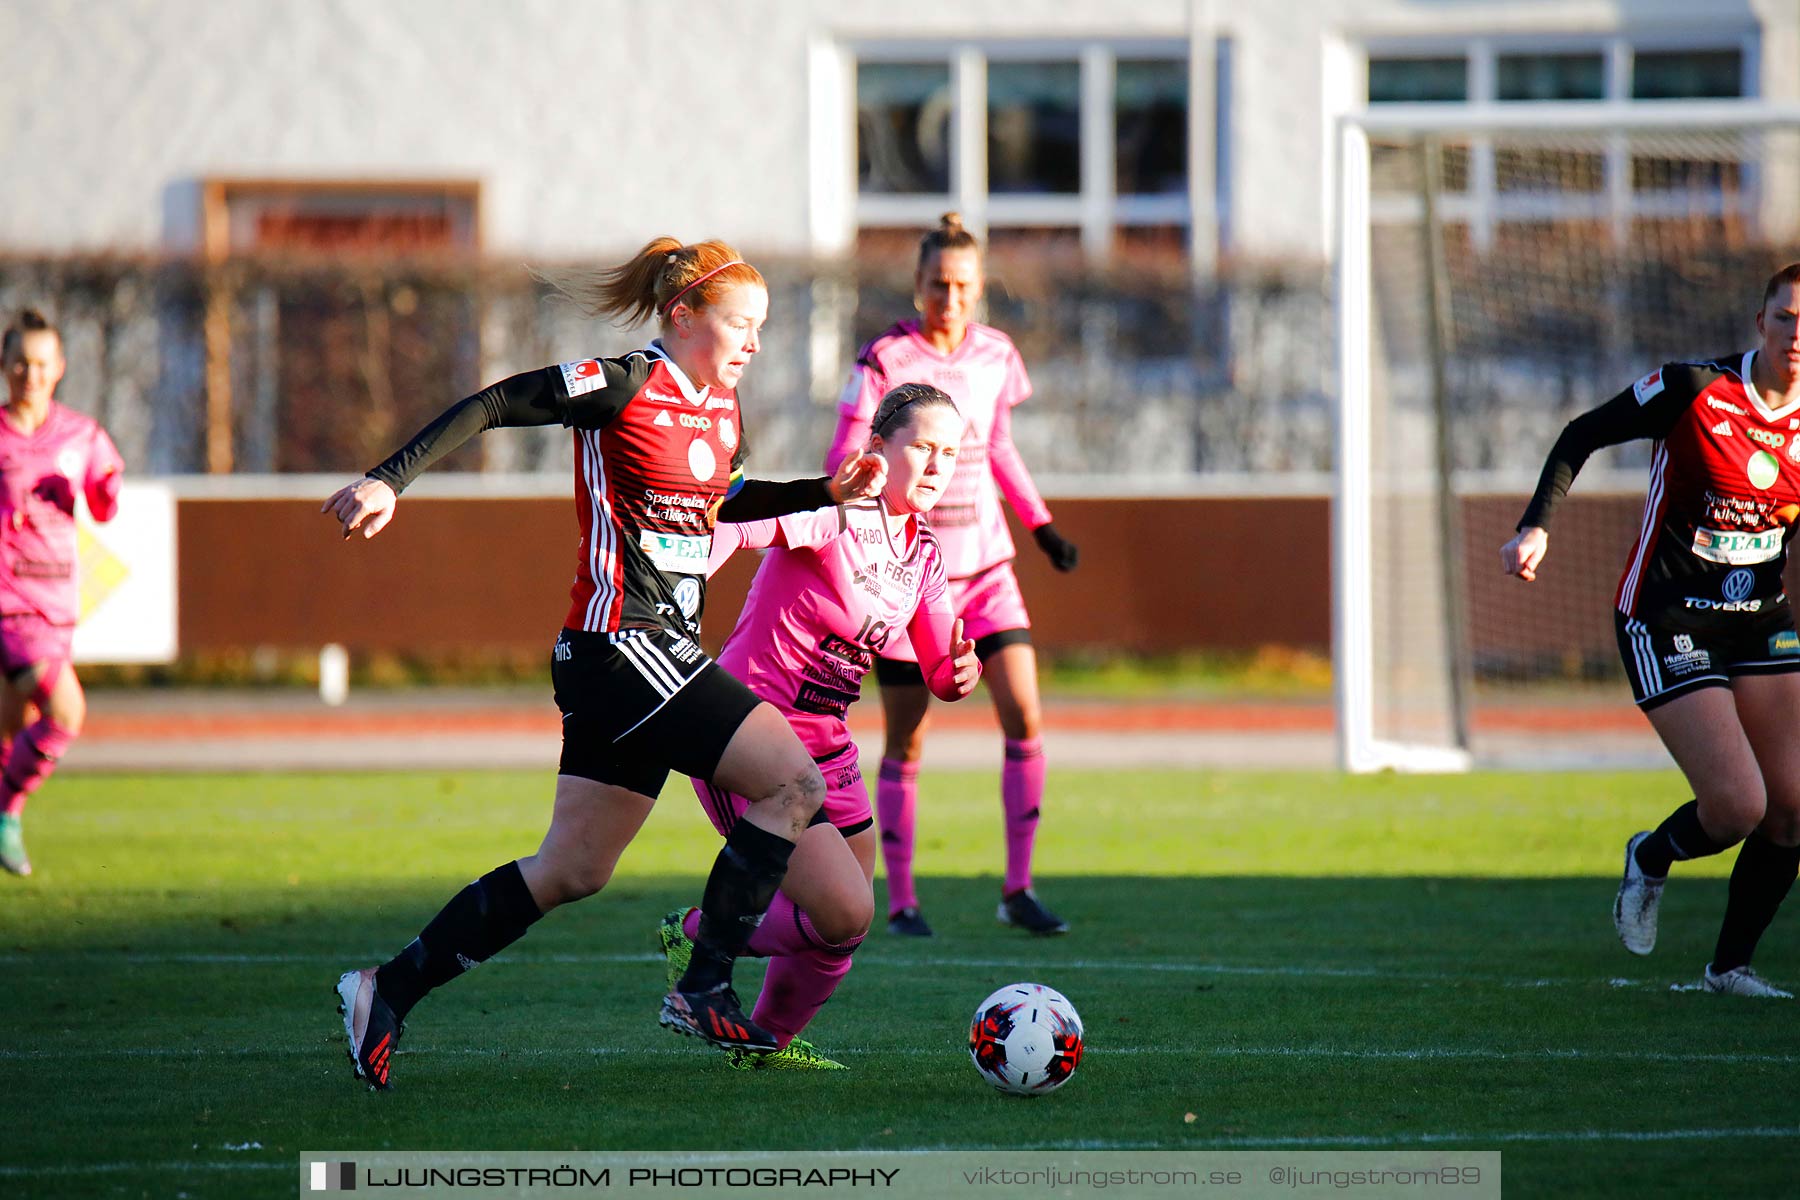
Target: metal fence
pixel 260 366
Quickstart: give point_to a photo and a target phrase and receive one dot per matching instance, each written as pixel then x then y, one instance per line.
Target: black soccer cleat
pixel 371 1026
pixel 715 1016
pixel 909 922
pixel 1021 909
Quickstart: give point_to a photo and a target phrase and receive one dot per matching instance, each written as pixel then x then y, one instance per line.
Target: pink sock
pixel 797 985
pixel 1021 792
pixel 804 968
pixel 29 762
pixel 896 797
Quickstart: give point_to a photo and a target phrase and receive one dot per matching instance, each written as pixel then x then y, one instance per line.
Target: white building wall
pixel 592 124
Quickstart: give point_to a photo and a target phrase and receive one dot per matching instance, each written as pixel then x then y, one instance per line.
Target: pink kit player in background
pixel 48 456
pixel 838 586
pixel 982 372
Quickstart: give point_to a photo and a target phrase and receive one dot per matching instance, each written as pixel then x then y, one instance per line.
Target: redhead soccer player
pixel 982 372
pixel 660 450
pixel 48 455
pixel 837 587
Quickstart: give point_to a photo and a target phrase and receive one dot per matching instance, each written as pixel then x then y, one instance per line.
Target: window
pixel 903 127
pixel 1150 134
pixel 1086 138
pixel 1552 77
pixel 1491 182
pixel 1687 75
pixel 1393 80
pixel 1034 127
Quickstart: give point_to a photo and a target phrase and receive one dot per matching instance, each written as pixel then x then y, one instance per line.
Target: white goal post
pixel 1548 200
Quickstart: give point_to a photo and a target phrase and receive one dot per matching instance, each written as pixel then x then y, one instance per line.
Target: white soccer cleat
pixel 1634 911
pixel 1742 981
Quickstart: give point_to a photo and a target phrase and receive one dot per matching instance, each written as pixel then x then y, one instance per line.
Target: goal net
pixel 1497 275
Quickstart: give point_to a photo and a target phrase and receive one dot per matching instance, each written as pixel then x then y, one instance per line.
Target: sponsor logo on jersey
pixel 728 433
pixel 677 553
pixel 1702 604
pixel 1649 387
pixel 702 461
pixel 563 652
pixel 684 651
pixel 1736 548
pixel 1773 440
pixel 687 596
pixel 725 402
pixel 1688 661
pixel 1683 643
pixel 1726 405
pixel 582 376
pixel 1785 642
pixel 1762 470
pixel 661 397
pixel 1736 588
pixel 694 421
pixel 1723 429
pixel 663 418
pixel 1794 450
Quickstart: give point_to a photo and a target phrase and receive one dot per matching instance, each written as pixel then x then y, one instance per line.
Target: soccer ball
pixel 1026 1039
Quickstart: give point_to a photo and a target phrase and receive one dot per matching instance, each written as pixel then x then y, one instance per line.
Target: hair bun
pixel 951 222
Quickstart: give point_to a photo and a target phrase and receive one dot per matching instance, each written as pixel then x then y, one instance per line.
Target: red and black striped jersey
pixel 657 462
pixel 654 457
pixel 1723 496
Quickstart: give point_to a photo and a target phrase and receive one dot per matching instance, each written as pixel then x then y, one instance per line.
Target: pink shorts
pixel 846 799
pixel 27 639
pixel 988 603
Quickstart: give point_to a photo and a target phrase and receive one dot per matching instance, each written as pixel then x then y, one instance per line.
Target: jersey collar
pixel 693 395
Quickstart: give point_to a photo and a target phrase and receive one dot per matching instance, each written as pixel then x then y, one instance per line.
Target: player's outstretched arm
pixel 1522 555
pixel 521 400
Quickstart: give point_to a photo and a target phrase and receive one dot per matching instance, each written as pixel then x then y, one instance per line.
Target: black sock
pixel 1759 883
pixel 1679 838
pixel 738 892
pixel 480 921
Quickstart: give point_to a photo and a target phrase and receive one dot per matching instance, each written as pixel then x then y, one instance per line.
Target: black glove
pixel 1062 553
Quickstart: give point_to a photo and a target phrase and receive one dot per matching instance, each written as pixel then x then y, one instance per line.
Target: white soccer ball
pixel 1026 1039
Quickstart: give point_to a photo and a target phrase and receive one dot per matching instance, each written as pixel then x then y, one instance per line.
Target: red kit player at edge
pixel 1704 623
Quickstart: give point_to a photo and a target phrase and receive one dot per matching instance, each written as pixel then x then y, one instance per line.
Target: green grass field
pixel 1298 960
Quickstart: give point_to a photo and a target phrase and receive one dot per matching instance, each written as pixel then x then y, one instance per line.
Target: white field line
pixel 1239 1143
pixel 329 1047
pixel 1020 964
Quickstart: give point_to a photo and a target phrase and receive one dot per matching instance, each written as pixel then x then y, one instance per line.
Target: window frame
pixel 1483 206
pixel 1097 208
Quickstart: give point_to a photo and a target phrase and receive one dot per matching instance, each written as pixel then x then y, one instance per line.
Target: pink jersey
pixel 40 474
pixel 986 377
pixel 832 591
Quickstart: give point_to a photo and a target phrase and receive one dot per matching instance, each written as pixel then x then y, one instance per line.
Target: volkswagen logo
pixel 1738 584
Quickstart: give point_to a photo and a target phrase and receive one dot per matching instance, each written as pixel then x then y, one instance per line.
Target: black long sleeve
pixel 1623 418
pixel 521 400
pixel 760 499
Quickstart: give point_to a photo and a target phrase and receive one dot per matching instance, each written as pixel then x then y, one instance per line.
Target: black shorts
pixel 896 672
pixel 640 703
pixel 1663 663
